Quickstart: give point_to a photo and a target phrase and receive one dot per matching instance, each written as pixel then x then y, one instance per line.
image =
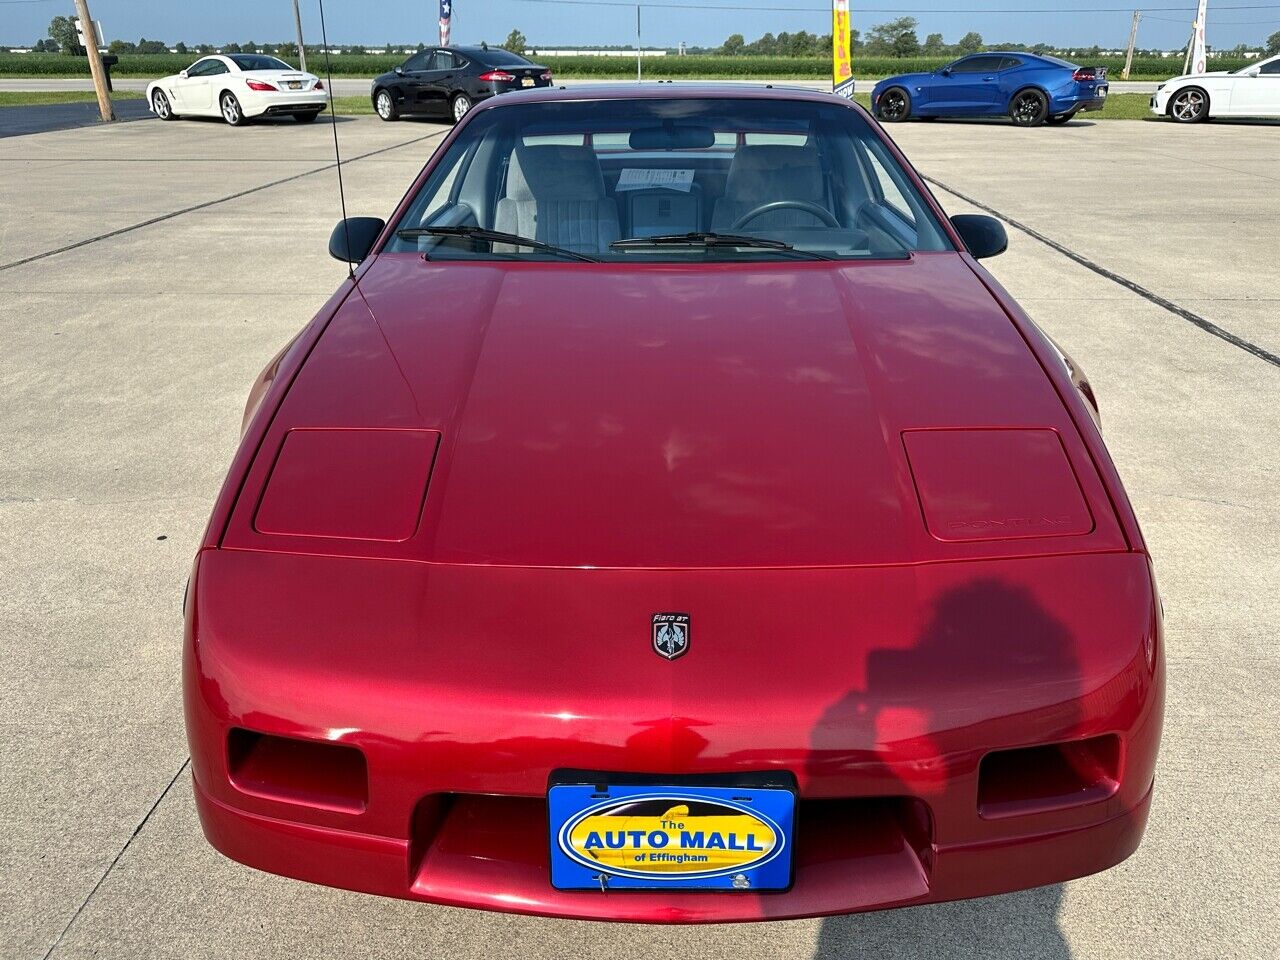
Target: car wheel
pixel 385 105
pixel 461 104
pixel 1029 108
pixel 1189 106
pixel 306 117
pixel 894 105
pixel 160 106
pixel 231 111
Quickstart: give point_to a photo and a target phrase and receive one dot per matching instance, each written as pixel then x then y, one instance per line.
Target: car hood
pixel 1199 76
pixel 903 79
pixel 658 416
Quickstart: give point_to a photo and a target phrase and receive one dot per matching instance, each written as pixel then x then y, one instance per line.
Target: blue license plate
pixel 670 838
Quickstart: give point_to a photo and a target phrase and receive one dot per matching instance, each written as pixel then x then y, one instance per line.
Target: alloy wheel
pixel 893 105
pixel 384 105
pixel 1188 105
pixel 160 103
pixel 230 110
pixel 1027 109
pixel 461 104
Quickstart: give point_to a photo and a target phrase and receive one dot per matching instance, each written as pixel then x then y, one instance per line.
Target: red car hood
pixel 659 416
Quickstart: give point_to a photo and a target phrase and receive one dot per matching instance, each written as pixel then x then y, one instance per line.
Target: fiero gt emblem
pixel 671 634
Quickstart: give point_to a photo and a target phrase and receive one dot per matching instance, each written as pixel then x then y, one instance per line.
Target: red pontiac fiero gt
pixel 672 521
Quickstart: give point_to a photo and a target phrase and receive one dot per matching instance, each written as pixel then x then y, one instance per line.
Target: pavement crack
pixel 1208 326
pixel 116 859
pixel 208 203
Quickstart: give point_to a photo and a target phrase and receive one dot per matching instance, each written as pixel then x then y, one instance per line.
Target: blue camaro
pixel 1029 88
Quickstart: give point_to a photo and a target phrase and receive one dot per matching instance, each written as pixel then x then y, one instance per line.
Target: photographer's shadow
pixel 982 632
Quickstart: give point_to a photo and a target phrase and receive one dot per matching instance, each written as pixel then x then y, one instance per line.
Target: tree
pixel 118 47
pixel 971 42
pixel 179 47
pixel 515 42
pixel 150 46
pixel 934 46
pixel 897 38
pixel 734 45
pixel 45 46
pixel 1273 44
pixel 63 32
pixel 288 49
pixel 249 47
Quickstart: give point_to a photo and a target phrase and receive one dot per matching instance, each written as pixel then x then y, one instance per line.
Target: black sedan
pixel 447 81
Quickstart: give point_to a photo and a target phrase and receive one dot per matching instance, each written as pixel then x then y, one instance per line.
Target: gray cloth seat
pixel 767 172
pixel 556 194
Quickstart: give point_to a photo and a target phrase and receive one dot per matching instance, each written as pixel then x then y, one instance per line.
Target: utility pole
pixel 302 51
pixel 637 43
pixel 95 60
pixel 1133 38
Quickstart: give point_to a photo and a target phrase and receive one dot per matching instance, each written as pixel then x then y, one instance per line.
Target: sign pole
pixel 302 51
pixel 1133 39
pixel 637 43
pixel 95 61
pixel 841 65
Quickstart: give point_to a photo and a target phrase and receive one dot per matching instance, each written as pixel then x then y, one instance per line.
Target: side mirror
pixel 1253 72
pixel 353 238
pixel 399 71
pixel 983 235
pixel 945 71
pixel 182 74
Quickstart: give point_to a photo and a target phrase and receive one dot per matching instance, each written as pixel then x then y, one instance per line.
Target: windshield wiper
pixel 715 240
pixel 492 236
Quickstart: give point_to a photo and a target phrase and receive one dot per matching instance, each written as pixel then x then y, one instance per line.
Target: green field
pixel 10 98
pixel 658 68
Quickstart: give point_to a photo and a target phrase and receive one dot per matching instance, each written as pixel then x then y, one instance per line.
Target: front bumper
pixel 886 734
pixel 470 862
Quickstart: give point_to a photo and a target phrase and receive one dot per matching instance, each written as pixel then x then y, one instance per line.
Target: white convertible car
pixel 238 87
pixel 1253 91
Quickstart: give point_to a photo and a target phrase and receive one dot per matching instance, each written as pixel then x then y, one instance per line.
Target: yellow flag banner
pixel 841 62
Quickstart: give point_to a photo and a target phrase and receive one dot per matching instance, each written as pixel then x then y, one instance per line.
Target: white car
pixel 1253 91
pixel 238 87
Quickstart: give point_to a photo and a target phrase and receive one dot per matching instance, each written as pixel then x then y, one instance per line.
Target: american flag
pixel 446 14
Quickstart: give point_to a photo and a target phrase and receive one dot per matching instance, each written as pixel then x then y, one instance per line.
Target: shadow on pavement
pixel 1017 925
pixel 45 117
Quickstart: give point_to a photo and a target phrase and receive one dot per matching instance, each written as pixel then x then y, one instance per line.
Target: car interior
pixel 581 190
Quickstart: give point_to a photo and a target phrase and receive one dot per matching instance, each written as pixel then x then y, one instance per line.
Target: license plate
pixel 633 837
pixel 527 82
pixel 295 84
pixel 1102 92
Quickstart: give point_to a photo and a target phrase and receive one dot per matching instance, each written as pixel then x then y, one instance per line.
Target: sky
pixel 546 23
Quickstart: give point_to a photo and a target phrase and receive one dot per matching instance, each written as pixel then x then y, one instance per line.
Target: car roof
pixel 663 90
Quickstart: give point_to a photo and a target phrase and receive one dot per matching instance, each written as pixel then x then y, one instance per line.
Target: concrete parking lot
pixel 148 270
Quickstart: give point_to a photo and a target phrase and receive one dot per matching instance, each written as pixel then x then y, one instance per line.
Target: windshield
pixel 498 58
pixel 249 61
pixel 669 180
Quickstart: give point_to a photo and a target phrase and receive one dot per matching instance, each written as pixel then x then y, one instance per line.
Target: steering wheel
pixel 822 213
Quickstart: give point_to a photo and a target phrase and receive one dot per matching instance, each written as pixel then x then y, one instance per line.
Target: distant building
pixel 549 52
